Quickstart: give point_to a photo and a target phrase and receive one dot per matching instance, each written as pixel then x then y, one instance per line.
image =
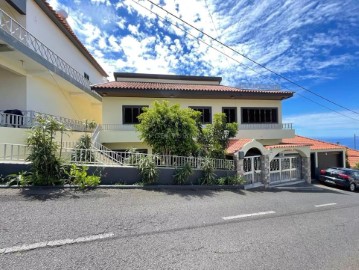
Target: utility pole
pixel 355 142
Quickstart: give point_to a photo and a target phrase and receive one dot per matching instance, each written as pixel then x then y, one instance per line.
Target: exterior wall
pixel 12 91
pixel 46 97
pixel 112 114
pixel 19 135
pixel 44 29
pixel 13 13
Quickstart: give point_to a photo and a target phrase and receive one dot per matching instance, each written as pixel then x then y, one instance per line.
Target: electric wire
pixel 251 60
pixel 236 60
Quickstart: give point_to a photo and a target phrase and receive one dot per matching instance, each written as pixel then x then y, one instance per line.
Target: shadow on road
pixel 45 194
pixel 197 192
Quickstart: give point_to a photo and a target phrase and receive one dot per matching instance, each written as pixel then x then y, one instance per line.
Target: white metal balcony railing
pixel 28 120
pixel 19 153
pixel 118 127
pixel 286 126
pixel 13 28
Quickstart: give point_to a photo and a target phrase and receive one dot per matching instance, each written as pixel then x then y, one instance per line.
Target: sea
pixel 349 142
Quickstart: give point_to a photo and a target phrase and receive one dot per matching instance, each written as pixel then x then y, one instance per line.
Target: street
pixel 309 227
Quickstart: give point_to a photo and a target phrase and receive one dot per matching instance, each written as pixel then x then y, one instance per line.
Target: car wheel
pixel 352 187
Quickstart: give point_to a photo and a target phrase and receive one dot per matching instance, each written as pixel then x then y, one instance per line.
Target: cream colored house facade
pixel 44 68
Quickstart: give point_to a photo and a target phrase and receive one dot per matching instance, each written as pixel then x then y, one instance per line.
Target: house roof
pixel 156 89
pixel 66 29
pixel 314 143
pixel 235 145
pixel 353 157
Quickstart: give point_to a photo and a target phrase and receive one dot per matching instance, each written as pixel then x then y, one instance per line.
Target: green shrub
pixel 148 171
pixel 82 151
pixel 231 180
pixel 46 165
pixel 208 175
pixel 78 176
pixel 18 179
pixel 182 174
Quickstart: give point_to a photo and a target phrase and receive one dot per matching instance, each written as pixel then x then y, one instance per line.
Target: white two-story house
pixel 44 68
pixel 265 147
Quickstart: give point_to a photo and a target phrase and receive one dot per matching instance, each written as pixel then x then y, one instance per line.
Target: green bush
pixel 82 151
pixel 148 170
pixel 231 180
pixel 208 175
pixel 46 165
pixel 78 176
pixel 19 179
pixel 182 174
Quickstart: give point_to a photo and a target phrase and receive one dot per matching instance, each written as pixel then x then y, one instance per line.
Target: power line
pixel 251 60
pixel 211 17
pixel 232 58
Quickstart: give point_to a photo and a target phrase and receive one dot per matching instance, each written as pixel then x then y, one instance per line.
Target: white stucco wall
pixel 12 91
pixel 112 114
pixel 44 29
pixel 46 97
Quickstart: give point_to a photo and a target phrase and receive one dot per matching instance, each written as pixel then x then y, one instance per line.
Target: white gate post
pixel 265 170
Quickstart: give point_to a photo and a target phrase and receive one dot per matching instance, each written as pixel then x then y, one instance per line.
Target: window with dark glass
pixel 206 116
pixel 231 114
pixel 130 114
pixel 259 115
pixel 87 77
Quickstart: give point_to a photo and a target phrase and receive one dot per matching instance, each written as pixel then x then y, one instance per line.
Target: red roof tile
pixel 314 144
pixel 179 86
pixel 353 157
pixel 286 145
pixel 236 144
pixel 77 42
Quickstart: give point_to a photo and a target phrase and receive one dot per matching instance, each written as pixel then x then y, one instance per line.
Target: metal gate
pixel 285 169
pixel 252 169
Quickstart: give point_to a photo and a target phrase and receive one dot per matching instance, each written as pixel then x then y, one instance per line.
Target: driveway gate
pixel 285 169
pixel 252 169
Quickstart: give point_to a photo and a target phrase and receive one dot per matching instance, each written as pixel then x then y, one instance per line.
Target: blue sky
pixel 314 43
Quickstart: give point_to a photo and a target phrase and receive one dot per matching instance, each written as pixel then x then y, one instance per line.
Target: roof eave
pixel 52 15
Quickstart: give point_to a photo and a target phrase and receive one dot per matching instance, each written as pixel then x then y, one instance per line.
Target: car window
pixel 355 175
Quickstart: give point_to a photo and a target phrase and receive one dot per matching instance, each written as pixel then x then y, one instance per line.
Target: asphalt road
pixel 286 228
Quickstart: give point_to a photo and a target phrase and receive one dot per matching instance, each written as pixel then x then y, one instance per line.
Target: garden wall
pixel 121 175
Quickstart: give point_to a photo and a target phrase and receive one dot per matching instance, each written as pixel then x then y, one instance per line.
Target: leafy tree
pixel 46 166
pixel 169 129
pixel 215 137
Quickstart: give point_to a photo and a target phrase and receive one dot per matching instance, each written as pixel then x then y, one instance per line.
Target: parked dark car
pixel 343 177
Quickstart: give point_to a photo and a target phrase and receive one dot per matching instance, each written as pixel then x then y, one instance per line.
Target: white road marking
pixel 249 215
pixel 56 243
pixel 327 204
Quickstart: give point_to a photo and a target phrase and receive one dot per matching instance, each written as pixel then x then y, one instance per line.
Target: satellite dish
pixel 63 14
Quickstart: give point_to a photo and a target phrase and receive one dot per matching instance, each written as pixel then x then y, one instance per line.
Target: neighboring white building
pixel 43 66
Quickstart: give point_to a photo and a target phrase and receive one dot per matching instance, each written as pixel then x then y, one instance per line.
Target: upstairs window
pixel 130 113
pixel 231 114
pixel 206 116
pixel 87 77
pixel 259 115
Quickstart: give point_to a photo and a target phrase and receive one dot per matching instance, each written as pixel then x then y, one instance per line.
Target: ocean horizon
pixel 347 141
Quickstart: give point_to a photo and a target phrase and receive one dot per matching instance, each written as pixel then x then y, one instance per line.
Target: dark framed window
pixel 130 113
pixel 231 114
pixel 259 115
pixel 206 116
pixel 87 77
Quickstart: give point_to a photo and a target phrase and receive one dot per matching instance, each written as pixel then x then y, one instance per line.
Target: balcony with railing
pixel 19 38
pixel 266 131
pixel 27 119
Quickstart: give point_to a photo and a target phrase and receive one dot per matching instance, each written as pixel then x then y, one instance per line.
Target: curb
pixel 154 187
